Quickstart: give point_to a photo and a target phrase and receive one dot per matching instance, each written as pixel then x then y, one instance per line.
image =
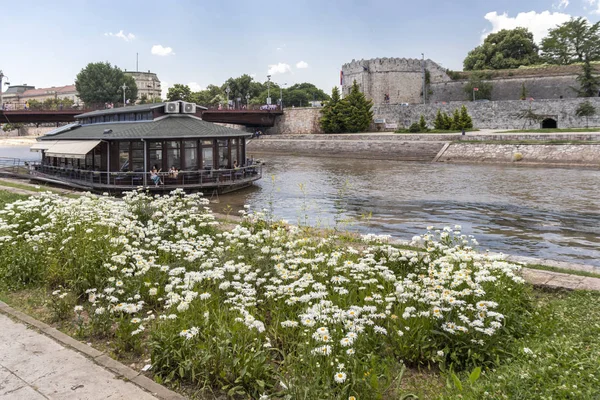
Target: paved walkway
pixel 35 367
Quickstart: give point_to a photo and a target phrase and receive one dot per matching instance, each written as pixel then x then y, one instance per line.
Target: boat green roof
pixel 173 126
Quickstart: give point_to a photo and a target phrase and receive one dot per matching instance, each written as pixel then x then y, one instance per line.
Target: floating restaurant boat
pixel 116 150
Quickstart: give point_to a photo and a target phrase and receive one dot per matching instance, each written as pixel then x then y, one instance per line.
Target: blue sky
pixel 202 42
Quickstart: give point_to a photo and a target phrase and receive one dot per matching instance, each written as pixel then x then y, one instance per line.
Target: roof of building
pixel 18 89
pixel 181 126
pixel 69 89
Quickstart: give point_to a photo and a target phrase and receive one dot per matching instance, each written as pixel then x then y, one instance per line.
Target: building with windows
pixel 117 149
pixel 17 96
pixel 148 85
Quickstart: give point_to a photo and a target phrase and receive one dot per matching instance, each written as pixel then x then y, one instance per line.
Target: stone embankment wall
pixel 441 148
pixel 29 131
pixel 521 154
pixel 486 115
pixel 345 146
pixel 297 121
pixel 493 114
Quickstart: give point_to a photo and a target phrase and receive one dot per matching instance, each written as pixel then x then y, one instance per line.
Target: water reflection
pixel 541 212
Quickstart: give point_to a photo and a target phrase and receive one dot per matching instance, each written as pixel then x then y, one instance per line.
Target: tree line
pixel 575 41
pixel 248 91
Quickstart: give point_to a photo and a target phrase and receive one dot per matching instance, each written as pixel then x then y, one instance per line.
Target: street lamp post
pixel 281 96
pixel 248 101
pixel 423 70
pixel 227 91
pixel 2 76
pixel 124 88
pixel 268 89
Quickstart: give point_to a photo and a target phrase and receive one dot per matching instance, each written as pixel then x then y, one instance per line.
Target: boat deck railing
pixel 209 178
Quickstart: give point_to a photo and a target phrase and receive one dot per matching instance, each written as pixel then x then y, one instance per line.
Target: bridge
pixel 251 117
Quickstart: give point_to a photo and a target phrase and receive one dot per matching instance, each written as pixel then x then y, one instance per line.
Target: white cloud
pixel 537 23
pixel 121 35
pixel 279 68
pixel 302 65
pixel 164 89
pixel 561 4
pixel 159 50
pixel 595 4
pixel 195 86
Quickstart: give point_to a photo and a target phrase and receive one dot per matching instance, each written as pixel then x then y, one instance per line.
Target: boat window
pixel 223 152
pixel 155 156
pixel 190 148
pixel 174 154
pixel 137 156
pixel 123 156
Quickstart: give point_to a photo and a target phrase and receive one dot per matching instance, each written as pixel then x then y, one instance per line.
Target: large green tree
pixel 331 119
pixel 100 83
pixel 585 109
pixel 179 92
pixel 356 110
pixel 508 48
pixel 588 82
pixel 209 97
pixel 573 41
pixel 480 81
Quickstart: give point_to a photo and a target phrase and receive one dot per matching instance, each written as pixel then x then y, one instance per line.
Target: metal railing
pixel 12 165
pixel 242 108
pixel 200 178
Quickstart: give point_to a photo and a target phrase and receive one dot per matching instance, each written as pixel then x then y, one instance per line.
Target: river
pixel 538 212
pixel 531 211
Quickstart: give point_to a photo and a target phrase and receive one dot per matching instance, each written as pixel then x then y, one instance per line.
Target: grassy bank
pixel 554 130
pixel 533 142
pixel 438 131
pixel 265 310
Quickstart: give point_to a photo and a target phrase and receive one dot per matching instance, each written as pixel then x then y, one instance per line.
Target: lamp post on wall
pixel 228 90
pixel 248 101
pixel 475 90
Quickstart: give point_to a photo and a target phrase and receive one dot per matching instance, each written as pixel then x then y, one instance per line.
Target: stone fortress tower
pixel 392 80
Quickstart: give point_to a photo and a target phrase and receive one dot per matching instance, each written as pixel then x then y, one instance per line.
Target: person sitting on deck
pixel 173 172
pixel 154 177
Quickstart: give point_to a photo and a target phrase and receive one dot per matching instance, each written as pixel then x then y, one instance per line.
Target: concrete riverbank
pixel 565 149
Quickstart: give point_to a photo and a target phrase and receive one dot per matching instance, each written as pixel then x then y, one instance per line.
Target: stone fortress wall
pixel 537 87
pixel 493 114
pixel 402 80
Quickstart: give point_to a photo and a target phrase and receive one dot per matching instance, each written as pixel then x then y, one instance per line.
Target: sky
pixel 199 42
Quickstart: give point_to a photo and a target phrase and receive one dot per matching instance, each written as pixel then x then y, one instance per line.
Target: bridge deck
pixel 254 118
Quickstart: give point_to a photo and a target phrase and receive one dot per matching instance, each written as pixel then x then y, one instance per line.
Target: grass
pixel 555 130
pixel 564 341
pixel 563 270
pixel 29 187
pixel 534 142
pixel 557 360
pixel 438 131
pixel 8 197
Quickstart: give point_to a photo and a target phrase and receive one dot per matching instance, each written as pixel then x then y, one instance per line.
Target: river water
pixel 531 211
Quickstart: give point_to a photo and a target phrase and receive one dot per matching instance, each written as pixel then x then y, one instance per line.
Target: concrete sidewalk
pixel 35 367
